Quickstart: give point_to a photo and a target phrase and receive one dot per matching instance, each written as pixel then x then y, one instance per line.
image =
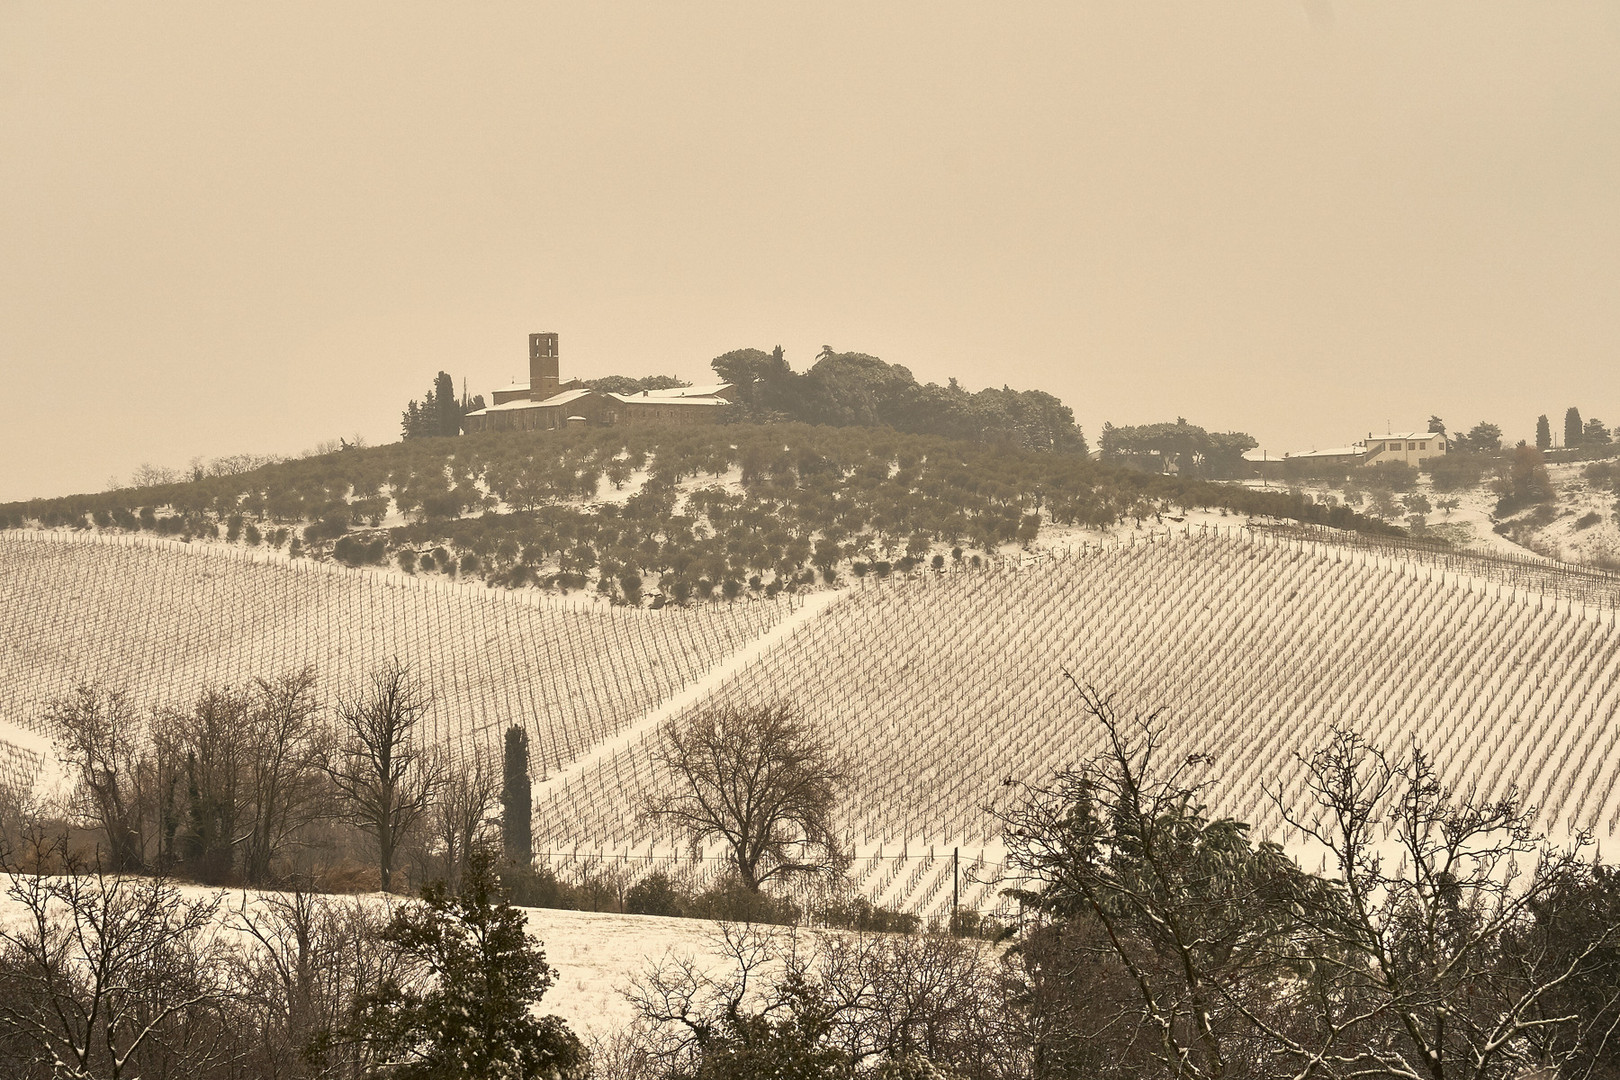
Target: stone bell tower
pixel 543 375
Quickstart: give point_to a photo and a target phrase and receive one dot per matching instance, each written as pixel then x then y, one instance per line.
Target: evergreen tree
pixel 1572 427
pixel 448 408
pixel 517 840
pixel 1543 433
pixel 439 413
pixel 467 1012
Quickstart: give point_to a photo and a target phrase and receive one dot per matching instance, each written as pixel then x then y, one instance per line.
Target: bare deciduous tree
pixel 758 779
pixel 112 976
pixel 1437 973
pixel 307 961
pixel 382 776
pixel 211 740
pixel 285 739
pixel 1415 954
pixel 103 741
pixel 862 1001
pixel 1200 920
pixel 461 816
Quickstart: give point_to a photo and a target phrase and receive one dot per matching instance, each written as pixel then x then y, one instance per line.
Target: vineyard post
pixel 956 879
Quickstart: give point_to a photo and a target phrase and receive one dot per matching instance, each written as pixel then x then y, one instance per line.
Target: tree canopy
pixel 1192 450
pixel 845 389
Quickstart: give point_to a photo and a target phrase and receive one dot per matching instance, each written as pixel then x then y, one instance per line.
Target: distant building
pixel 546 403
pixel 1408 447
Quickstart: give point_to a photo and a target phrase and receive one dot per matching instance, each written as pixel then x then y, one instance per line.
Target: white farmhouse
pixel 1409 447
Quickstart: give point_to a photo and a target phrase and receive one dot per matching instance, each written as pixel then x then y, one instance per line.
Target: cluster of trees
pixel 1441 937
pixel 626 384
pixel 264 784
pixel 439 413
pixel 813 502
pixel 1186 448
pixel 1592 433
pixel 111 975
pixel 844 389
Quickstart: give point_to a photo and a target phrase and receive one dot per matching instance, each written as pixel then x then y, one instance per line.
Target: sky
pixel 230 228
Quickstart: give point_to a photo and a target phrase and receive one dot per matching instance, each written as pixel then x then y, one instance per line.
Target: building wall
pixel 645 413
pixel 1407 451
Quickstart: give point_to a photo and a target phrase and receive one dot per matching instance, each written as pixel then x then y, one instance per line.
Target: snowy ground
pixel 1471 524
pixel 596 955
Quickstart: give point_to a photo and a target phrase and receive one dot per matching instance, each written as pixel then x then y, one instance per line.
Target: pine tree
pixel 468 1013
pixel 1572 427
pixel 1543 432
pixel 517 839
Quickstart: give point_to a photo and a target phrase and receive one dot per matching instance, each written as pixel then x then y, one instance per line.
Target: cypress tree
pixel 1543 432
pixel 1572 427
pixel 444 396
pixel 517 839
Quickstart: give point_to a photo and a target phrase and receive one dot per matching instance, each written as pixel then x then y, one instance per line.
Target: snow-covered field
pixel 595 955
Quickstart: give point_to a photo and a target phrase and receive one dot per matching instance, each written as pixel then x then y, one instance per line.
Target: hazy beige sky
pixel 229 227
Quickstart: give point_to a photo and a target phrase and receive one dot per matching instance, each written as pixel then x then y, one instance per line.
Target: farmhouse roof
pixel 567 397
pixel 651 398
pixel 673 392
pixel 1407 435
pixel 1353 450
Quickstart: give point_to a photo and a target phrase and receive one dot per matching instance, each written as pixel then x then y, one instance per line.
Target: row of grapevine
pixel 941 688
pixel 164 622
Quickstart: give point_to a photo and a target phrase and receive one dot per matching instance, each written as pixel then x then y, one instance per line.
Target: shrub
pixel 654 894
pixel 729 900
pixel 251 534
pixel 1454 472
pixel 860 913
pixel 1395 475
pixel 1586 521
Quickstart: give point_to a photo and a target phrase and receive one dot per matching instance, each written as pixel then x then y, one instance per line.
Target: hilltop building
pixel 1408 447
pixel 546 403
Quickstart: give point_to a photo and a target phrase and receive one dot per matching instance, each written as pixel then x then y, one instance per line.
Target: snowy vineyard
pixel 164 620
pixel 937 689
